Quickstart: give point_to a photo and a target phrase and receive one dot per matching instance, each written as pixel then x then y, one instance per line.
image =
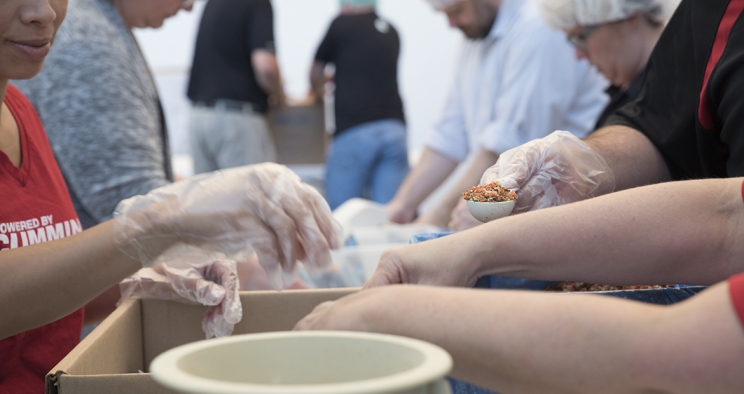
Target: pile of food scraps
pixel 581 286
pixel 493 192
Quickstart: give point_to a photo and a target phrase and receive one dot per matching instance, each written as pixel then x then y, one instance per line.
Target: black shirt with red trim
pixel 691 105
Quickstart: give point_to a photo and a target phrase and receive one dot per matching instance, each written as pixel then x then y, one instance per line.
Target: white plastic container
pixel 358 212
pixel 316 362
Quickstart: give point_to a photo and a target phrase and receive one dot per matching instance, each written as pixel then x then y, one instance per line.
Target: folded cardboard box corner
pixel 111 358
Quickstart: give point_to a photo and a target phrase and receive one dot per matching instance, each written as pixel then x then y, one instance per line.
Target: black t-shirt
pixel 620 98
pixel 669 107
pixel 229 32
pixel 364 49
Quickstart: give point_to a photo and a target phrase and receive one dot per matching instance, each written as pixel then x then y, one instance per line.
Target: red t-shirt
pixel 736 286
pixel 35 208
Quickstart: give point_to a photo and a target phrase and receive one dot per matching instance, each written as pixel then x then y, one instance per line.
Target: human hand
pixel 351 313
pixel 435 217
pixel 462 219
pixel 439 262
pixel 556 170
pixel 214 284
pixel 399 212
pixel 264 207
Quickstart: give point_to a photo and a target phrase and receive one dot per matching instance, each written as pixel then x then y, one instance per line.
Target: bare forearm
pixel 318 80
pixel 271 83
pixel 681 232
pixel 632 157
pixel 426 176
pixel 41 283
pixel 266 70
pixel 562 343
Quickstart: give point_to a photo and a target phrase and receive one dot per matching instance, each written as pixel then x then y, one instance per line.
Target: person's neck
pixel 356 10
pixel 651 35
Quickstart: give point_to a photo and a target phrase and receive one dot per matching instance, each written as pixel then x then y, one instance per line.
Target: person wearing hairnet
pixel 685 124
pixel 516 80
pixel 368 156
pixel 532 342
pixel 616 36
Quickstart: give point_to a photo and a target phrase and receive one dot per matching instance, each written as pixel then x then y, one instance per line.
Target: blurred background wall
pixel 428 50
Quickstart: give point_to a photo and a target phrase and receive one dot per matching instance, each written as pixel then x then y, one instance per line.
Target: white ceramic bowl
pixel 315 362
pixel 487 211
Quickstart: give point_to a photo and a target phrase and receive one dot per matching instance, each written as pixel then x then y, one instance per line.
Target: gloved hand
pixel 214 284
pixel 556 170
pixel 265 208
pixel 253 277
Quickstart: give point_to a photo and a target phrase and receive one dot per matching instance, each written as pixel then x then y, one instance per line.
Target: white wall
pixel 428 50
pixel 426 68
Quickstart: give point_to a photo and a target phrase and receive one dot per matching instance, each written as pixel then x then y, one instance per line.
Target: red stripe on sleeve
pixel 734 9
pixel 736 289
pixel 742 190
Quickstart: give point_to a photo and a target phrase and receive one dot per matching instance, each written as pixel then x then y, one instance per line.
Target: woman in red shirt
pixel 49 268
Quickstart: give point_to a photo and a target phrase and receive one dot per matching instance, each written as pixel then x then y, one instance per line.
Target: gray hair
pixel 568 14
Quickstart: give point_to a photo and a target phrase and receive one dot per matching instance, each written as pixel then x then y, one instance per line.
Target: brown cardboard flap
pixel 114 347
pixel 170 324
pixel 298 133
pixel 136 383
pixel 107 360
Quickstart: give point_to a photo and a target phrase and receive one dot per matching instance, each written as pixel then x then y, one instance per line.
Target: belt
pixel 228 105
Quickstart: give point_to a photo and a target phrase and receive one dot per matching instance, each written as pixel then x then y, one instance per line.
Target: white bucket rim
pixel 437 363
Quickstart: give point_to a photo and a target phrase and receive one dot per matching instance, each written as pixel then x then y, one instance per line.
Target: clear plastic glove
pixel 214 284
pixel 253 277
pixel 556 170
pixel 265 208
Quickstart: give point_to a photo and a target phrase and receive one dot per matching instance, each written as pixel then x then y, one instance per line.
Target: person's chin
pixel 156 24
pixel 473 35
pixel 28 70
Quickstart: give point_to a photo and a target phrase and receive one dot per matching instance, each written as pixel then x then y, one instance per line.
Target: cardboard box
pixel 299 134
pixel 109 360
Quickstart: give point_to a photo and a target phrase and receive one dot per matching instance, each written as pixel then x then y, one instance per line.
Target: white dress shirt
pixel 520 83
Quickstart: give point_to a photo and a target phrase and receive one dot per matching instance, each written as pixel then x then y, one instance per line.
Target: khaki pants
pixel 224 138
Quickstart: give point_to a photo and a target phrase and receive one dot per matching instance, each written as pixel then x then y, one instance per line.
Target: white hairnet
pixel 440 4
pixel 359 3
pixel 567 14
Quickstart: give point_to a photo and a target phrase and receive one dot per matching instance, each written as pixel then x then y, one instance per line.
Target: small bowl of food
pixel 490 202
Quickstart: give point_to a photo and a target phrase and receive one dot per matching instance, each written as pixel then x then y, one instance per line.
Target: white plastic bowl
pixel 488 211
pixel 316 362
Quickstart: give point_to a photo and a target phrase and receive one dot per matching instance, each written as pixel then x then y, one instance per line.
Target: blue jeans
pixel 369 160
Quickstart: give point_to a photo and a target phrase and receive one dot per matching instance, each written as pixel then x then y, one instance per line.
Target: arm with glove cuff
pixel 231 213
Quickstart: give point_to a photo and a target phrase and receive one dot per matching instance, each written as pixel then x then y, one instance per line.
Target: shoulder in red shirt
pixel 35 208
